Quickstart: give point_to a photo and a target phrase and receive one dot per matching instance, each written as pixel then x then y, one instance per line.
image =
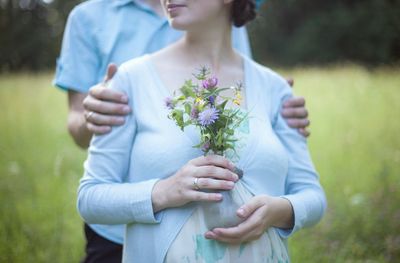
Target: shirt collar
pixel 122 2
pixel 138 3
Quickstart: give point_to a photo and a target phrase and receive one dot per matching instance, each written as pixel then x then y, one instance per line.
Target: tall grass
pixel 40 168
pixel 355 145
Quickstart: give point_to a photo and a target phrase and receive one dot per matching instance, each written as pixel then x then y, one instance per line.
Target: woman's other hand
pixel 260 213
pixel 105 107
pixel 211 172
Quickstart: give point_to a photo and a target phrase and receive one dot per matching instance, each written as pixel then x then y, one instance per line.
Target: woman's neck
pixel 213 50
pixel 210 46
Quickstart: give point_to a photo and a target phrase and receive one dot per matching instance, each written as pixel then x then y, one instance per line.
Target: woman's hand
pixel 212 172
pixel 261 212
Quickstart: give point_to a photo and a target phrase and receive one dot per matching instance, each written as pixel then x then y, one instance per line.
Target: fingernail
pixel 126 109
pixel 231 184
pixel 209 236
pixel 240 212
pixel 235 177
pixel 124 99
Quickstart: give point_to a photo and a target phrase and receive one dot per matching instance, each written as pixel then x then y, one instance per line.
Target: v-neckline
pixel 165 92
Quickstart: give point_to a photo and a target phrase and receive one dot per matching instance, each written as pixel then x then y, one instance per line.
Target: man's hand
pixel 295 113
pixel 96 112
pixel 104 107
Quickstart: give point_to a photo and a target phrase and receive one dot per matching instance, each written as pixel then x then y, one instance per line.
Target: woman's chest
pixel 160 148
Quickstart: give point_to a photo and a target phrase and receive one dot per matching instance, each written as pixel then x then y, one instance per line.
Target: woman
pixel 146 174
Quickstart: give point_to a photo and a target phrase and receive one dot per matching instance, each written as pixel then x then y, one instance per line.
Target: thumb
pixel 290 81
pixel 111 70
pixel 247 209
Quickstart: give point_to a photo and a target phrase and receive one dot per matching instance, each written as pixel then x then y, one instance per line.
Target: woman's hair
pixel 243 11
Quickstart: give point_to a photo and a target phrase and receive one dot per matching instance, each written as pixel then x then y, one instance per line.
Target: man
pixel 100 32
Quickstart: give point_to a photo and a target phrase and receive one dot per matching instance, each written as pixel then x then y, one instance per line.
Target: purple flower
pixel 211 99
pixel 194 114
pixel 208 116
pixel 210 83
pixel 169 103
pixel 205 146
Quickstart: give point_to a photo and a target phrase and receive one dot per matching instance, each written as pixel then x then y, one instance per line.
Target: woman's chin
pixel 178 26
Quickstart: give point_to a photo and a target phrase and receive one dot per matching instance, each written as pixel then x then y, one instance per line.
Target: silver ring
pixel 196 186
pixel 89 115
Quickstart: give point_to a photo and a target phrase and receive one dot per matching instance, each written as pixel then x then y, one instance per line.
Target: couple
pixel 142 173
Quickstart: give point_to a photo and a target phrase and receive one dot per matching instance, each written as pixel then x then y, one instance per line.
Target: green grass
pixel 355 145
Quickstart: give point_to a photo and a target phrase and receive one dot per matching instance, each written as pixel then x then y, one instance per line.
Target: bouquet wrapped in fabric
pixel 202 105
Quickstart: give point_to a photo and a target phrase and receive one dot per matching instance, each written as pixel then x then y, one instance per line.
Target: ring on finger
pixel 89 115
pixel 195 183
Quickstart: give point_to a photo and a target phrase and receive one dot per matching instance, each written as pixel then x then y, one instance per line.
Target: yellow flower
pixel 200 101
pixel 238 98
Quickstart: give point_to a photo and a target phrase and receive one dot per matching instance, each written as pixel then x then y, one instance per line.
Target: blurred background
pixel 344 56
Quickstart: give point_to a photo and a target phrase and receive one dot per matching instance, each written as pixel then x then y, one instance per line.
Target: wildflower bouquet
pixel 202 105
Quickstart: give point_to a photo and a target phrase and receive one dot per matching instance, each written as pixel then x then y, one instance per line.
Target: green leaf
pixel 221 106
pixel 230 132
pixel 188 109
pixel 177 115
pixel 187 89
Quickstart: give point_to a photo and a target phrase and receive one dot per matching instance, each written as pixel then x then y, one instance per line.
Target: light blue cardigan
pixel 123 166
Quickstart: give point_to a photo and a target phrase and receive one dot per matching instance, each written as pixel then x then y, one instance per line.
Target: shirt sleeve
pixel 78 64
pixel 104 195
pixel 302 187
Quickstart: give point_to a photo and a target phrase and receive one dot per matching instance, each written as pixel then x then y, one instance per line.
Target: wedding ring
pixel 195 181
pixel 89 115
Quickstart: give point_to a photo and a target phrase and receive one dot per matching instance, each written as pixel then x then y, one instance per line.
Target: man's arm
pixel 76 119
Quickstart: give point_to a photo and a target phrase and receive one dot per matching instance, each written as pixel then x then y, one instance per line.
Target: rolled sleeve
pixel 78 64
pixel 302 187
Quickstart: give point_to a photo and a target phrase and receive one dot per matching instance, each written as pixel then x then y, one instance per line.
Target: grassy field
pixel 355 145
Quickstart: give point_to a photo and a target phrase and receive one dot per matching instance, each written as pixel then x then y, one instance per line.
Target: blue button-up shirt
pixel 99 32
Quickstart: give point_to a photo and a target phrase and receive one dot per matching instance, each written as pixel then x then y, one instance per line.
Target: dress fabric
pixel 123 166
pixel 190 246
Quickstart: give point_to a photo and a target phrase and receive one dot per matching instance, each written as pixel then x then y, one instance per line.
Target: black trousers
pixel 100 250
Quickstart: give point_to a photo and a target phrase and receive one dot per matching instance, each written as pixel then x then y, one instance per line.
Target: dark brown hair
pixel 243 11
